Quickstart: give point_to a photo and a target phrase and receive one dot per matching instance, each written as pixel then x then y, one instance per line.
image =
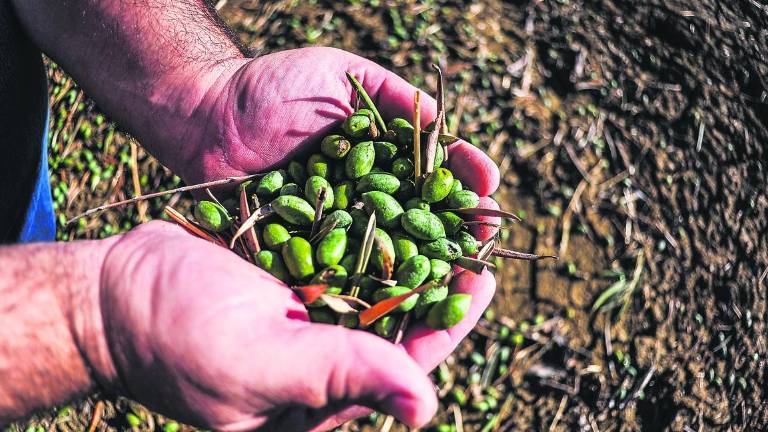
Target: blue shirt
pixel 40 223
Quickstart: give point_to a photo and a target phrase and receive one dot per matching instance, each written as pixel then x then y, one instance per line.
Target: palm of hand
pixel 228 346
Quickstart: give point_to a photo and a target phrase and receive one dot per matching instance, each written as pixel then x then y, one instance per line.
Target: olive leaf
pixel 256 216
pixel 473 264
pixel 506 253
pixel 477 211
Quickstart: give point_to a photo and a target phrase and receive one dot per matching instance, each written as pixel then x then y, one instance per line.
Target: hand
pixel 236 352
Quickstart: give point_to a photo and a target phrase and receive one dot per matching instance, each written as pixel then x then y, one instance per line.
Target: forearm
pixel 50 326
pixel 137 59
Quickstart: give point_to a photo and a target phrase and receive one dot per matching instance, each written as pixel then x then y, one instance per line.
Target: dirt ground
pixel 631 137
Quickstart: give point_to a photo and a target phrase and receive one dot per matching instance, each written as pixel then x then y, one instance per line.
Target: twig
pixel 189 226
pixel 163 193
pixel 417 140
pixel 98 411
pixel 368 102
pixel 559 413
pixel 441 123
pixel 388 422
pixel 319 205
pixel 458 420
pixel 251 239
pixel 142 208
pixel 259 214
pixel 432 145
pixel 365 254
pixel 506 253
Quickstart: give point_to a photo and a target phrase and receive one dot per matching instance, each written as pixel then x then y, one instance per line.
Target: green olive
pixel 451 222
pixel 403 131
pixel 463 199
pixel 322 316
pixel 318 165
pixel 402 168
pixel 334 275
pixel 313 187
pixel 331 248
pixel 467 242
pixel 275 235
pixel 437 186
pixel 405 247
pixel 271 183
pixel 335 146
pixel 457 186
pixel 383 182
pixel 407 190
pixel 442 248
pixel 389 292
pixel 438 269
pixel 343 194
pixel 320 302
pixel 428 298
pixel 360 160
pixel 439 156
pixel 297 172
pixel 294 210
pixel 297 255
pixel 212 216
pixel 290 189
pixel 413 271
pixel 385 152
pixel 448 312
pixel 382 243
pixel 385 326
pixel 416 203
pixel 358 125
pixel 340 218
pixel 422 224
pixel 349 262
pixel 386 208
pixel 271 262
pixel 359 222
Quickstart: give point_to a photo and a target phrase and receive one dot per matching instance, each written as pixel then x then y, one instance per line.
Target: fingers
pixel 430 347
pixel 473 167
pixel 334 368
pixel 484 232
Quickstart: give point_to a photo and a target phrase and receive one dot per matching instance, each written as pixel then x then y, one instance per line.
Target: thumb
pixel 338 368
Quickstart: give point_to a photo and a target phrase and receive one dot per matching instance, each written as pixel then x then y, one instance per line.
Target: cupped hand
pixel 215 341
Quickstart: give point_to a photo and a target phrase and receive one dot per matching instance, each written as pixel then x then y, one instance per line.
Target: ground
pixel 631 139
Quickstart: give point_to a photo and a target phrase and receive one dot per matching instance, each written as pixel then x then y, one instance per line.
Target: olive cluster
pixel 359 173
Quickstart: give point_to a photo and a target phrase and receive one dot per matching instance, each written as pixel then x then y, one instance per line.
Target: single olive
pixel 271 183
pixel 294 210
pixel 349 262
pixel 359 222
pixel 451 222
pixel 358 125
pixel 386 208
pixel 385 326
pixel 274 236
pixel 340 218
pixel 437 186
pixel 212 216
pixel 297 255
pixel 334 275
pixel 290 189
pixel 383 182
pixel 405 247
pixel 407 190
pixel 272 263
pixel 403 131
pixel 438 269
pixel 413 271
pixel 457 186
pixel 335 146
pixel 463 199
pixel 360 160
pixel 331 248
pixel 442 248
pixel 313 187
pixel 318 165
pixel 382 244
pixel 467 242
pixel 422 224
pixel 402 168
pixel 230 204
pixel 322 316
pixel 448 312
pixel 427 298
pixel 416 203
pixel 342 194
pixel 297 172
pixel 389 292
pixel 385 152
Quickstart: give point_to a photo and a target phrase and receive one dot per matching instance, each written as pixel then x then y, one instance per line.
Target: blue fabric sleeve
pixel 40 223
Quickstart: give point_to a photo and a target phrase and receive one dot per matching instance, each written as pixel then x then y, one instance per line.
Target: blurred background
pixel 631 138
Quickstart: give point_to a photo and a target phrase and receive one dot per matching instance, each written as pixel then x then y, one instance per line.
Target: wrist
pixel 80 301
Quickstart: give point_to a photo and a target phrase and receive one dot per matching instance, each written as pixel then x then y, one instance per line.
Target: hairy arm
pixel 137 58
pixel 48 327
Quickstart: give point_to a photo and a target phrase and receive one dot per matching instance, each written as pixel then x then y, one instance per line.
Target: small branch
pixel 163 193
pixel 368 102
pixel 417 140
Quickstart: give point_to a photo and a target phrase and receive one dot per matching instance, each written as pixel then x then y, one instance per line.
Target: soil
pixel 633 139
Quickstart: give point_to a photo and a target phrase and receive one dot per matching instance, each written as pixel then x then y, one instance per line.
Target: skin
pixel 178 324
